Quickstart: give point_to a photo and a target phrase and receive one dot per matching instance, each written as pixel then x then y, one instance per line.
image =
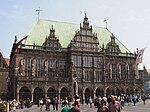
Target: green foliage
pixel 3 108
pixel 3 96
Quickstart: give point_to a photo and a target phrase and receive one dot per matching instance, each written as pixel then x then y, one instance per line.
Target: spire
pixel 85 21
pixel 15 40
pixel 52 32
pixel 112 38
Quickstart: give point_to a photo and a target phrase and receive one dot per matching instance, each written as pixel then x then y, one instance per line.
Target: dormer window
pixel 112 47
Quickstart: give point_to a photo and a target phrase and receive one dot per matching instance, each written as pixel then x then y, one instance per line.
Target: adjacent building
pixel 63 59
pixel 4 67
pixel 146 80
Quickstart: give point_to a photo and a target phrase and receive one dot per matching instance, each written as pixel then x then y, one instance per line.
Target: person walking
pixel 114 105
pixel 90 101
pixel 143 99
pixel 75 108
pixel 53 103
pixel 56 103
pixel 66 107
pixel 103 107
pixel 47 104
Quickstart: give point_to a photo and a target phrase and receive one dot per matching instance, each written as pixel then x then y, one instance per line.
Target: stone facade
pixel 86 67
pixel 3 75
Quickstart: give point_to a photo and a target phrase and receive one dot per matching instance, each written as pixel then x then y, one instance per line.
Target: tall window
pixel 88 75
pixel 123 71
pixel 51 65
pixel 27 66
pixel 76 60
pixel 114 71
pixel 98 75
pixel 107 71
pixel 97 62
pixel 131 71
pixel 62 67
pixel 79 74
pixel 39 68
pixel 87 61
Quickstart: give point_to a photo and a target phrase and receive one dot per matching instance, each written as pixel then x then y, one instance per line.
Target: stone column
pixel 105 92
pixel 110 68
pixel 75 87
pixel 136 72
pixel 84 96
pixel 125 91
pixel 32 92
pixel 59 95
pixel 133 91
pixel 45 91
pixel 114 91
pixel 94 94
pixel 17 97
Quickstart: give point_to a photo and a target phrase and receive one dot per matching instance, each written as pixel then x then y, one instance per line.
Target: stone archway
pixel 118 92
pixel 80 91
pixel 99 92
pixel 129 91
pixel 88 93
pixel 64 93
pixel 138 91
pixel 109 92
pixel 24 93
pixel 51 93
pixel 38 94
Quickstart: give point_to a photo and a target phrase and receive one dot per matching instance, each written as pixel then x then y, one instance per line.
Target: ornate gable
pixel 85 39
pixel 112 47
pixel 51 42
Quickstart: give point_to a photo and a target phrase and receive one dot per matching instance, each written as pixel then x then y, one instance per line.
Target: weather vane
pixel 105 20
pixel 38 11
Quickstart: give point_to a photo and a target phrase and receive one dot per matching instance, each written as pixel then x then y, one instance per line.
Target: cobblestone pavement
pixel 140 107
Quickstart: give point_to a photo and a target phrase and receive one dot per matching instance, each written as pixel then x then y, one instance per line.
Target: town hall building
pixel 63 59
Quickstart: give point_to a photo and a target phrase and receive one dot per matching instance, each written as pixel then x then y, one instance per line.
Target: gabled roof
pixel 65 32
pixel 3 62
pixel 7 61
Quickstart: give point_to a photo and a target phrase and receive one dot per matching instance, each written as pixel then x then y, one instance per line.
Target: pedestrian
pixel 56 103
pixel 130 99
pixel 66 107
pixel 75 107
pixel 53 103
pixel 102 107
pixel 122 100
pixel 114 105
pixel 134 100
pixel 48 102
pixel 14 105
pixel 41 104
pixel 77 99
pixel 143 99
pixel 90 101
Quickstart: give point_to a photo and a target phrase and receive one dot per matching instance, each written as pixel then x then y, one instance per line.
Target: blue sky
pixel 128 20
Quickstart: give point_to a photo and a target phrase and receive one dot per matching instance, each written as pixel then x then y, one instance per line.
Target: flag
pixel 140 56
pixel 19 43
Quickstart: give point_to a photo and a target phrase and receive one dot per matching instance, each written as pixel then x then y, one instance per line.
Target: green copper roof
pixel 65 32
